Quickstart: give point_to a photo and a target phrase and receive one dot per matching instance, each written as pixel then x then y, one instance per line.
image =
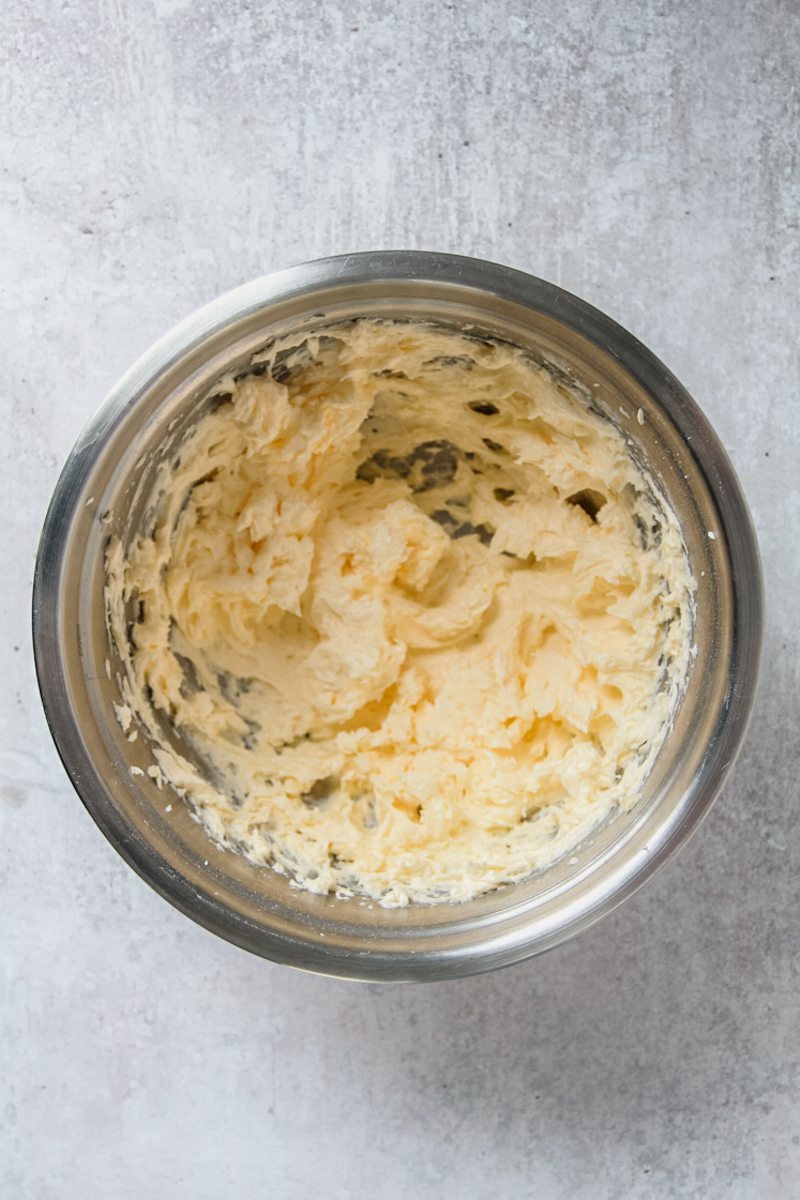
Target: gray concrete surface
pixel 644 155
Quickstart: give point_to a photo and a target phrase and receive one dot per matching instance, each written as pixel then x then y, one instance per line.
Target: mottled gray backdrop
pixel 643 154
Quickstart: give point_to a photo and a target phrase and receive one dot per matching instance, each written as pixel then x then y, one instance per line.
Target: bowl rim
pixel 642 862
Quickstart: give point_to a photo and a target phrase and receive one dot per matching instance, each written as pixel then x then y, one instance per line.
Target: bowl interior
pixel 104 493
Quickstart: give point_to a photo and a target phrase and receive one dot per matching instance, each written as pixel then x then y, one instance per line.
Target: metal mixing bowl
pixel 102 491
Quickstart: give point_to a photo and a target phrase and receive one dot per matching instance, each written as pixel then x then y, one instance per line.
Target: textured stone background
pixel 645 156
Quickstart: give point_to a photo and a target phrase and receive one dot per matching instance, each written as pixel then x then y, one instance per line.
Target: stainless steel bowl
pixel 101 492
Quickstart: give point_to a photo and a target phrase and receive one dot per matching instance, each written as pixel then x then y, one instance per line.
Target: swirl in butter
pixel 418 614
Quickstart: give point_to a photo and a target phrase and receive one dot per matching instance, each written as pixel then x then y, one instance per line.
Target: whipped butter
pixel 419 620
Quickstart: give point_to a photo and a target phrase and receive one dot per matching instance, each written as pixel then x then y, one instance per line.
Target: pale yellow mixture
pixel 415 608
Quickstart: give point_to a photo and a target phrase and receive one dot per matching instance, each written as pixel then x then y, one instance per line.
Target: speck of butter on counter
pixel 712 535
pixel 136 771
pixel 640 416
